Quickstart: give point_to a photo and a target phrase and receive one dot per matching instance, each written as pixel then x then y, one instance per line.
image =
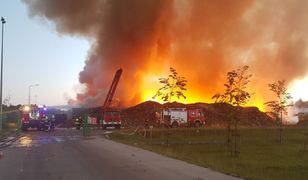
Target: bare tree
pixel 235 94
pixel 7 101
pixel 173 85
pixel 279 106
pixel 235 88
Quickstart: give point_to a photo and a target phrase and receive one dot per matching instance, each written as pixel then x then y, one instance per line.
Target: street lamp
pixel 33 85
pixel 1 117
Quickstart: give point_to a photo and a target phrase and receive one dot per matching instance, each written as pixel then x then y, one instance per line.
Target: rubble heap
pixel 217 114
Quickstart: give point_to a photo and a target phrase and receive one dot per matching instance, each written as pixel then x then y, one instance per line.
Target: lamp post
pixel 29 98
pixel 1 83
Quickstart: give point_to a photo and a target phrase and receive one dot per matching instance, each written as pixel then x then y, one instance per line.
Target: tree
pixel 235 94
pixel 7 101
pixel 279 106
pixel 173 85
pixel 235 88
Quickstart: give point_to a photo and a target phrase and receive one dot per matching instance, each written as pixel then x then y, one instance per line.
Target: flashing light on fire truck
pixel 26 108
pixel 33 116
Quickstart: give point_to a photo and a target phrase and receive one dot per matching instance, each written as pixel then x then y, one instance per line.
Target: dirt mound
pixel 217 114
pixel 141 114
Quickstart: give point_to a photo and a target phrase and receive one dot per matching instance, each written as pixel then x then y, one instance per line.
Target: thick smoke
pixel 201 39
pixel 299 109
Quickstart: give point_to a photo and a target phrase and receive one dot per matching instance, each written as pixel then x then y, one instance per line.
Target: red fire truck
pixel 105 116
pixel 33 116
pixel 111 117
pixel 176 117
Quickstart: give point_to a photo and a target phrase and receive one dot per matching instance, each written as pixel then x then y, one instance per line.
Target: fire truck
pixel 177 117
pixel 33 116
pixel 111 117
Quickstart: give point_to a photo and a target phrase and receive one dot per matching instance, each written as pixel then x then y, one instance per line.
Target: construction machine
pixel 111 117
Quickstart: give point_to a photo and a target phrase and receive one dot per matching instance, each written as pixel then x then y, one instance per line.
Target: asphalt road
pixel 65 155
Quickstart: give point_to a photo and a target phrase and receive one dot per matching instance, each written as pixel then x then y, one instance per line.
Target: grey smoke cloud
pixel 202 39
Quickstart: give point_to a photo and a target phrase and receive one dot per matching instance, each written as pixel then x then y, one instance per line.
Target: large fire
pixel 147 95
pixel 202 39
pixel 150 85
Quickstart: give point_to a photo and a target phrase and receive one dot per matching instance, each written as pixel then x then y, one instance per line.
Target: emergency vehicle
pixel 33 116
pixel 111 117
pixel 176 117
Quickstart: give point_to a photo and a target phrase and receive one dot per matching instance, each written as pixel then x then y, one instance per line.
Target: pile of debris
pixel 141 114
pixel 217 114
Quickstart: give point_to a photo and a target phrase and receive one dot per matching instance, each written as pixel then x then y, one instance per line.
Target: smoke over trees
pixel 202 39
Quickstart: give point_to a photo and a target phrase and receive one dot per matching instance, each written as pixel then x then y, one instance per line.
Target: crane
pixel 112 89
pixel 112 117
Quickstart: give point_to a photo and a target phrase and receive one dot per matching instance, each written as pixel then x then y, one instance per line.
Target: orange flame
pixel 150 85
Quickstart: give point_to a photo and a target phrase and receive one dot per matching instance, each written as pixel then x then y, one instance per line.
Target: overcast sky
pixel 35 53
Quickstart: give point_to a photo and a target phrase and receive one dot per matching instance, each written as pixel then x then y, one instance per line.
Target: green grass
pixel 3 134
pixel 7 129
pixel 261 154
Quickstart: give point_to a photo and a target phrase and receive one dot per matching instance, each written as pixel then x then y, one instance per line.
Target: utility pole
pixel 1 83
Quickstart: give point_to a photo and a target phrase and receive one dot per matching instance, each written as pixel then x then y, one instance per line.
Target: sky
pixel 34 53
pixel 50 47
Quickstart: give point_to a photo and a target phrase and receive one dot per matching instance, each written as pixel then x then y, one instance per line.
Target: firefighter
pixel 78 122
pixel 46 124
pixel 53 122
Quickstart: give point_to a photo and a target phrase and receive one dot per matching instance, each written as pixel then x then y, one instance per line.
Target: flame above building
pixel 203 40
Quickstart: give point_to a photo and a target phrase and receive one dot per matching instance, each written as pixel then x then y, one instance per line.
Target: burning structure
pixel 201 39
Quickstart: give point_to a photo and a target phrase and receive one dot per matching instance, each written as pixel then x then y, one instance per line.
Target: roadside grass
pixel 3 134
pixel 261 154
pixel 7 129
